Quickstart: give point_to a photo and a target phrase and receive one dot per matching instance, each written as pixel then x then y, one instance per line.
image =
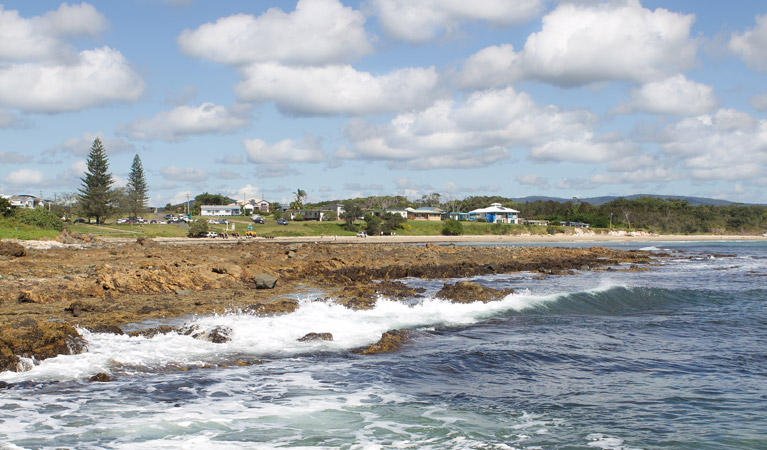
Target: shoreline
pixel 591 238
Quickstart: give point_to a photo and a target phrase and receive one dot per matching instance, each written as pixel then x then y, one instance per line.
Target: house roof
pixel 495 208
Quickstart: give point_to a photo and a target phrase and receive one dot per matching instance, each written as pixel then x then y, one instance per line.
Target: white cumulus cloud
pixel 422 20
pixel 582 43
pixel 330 90
pixel 317 32
pixel 674 95
pixel 751 45
pixel 178 123
pixel 94 78
pixel 482 130
pixel 25 178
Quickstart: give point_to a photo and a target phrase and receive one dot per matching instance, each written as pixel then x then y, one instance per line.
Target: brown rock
pixel 229 268
pixel 316 337
pixel 39 340
pixel 283 306
pixel 217 335
pixel 101 377
pixel 152 332
pixel 12 249
pixel 105 328
pixel 390 341
pixel 468 292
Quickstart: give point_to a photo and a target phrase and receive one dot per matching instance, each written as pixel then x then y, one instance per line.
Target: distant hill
pixel 596 201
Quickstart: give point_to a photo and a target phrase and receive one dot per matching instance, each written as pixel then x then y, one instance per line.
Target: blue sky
pixel 388 97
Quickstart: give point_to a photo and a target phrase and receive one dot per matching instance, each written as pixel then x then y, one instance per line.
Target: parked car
pixel 213 221
pixel 79 221
pixel 362 234
pixel 223 222
pixel 123 221
pixel 258 220
pixel 152 221
pixel 282 222
pixel 211 234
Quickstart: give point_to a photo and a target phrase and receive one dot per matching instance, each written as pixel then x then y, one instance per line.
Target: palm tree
pixel 300 196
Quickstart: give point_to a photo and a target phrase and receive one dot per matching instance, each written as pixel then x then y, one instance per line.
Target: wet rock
pixel 264 281
pixel 101 377
pixel 147 309
pixel 12 249
pixel 283 306
pixel 105 328
pixel 154 331
pixel 217 335
pixel 390 341
pixel 38 340
pixel 316 337
pixel 4 385
pixel 468 292
pixel 78 308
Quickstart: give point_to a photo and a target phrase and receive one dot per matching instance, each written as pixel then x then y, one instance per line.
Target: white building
pixel 496 213
pixel 220 210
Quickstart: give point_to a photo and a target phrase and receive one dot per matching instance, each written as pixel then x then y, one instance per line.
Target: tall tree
pixel 136 188
pixel 300 196
pixel 96 193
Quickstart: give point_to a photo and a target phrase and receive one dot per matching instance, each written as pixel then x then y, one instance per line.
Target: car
pixel 259 221
pixel 211 234
pixel 282 222
pixel 362 234
pixel 123 221
pixel 79 221
pixel 162 222
pixel 213 221
pixel 152 221
pixel 223 222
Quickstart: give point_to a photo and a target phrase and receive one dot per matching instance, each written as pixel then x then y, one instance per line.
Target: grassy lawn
pixel 270 228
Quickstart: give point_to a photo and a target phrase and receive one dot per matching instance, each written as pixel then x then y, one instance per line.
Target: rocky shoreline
pixel 111 285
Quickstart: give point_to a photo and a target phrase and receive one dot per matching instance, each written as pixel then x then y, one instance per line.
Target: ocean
pixel 671 358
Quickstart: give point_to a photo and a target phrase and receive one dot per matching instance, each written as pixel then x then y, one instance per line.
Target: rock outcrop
pixel 468 292
pixel 390 341
pixel 30 338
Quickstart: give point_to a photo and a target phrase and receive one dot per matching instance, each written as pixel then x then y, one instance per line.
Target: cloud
pixel 93 78
pixel 230 159
pixel 759 102
pixel 8 120
pixel 317 32
pixel 285 151
pixel 330 90
pixel 189 174
pixel 248 191
pixel 275 160
pixel 421 21
pixel 725 145
pixel 480 131
pixel 25 178
pixel 40 37
pixel 181 122
pixel 535 180
pixel 751 45
pixel 674 95
pixel 14 158
pixel 639 176
pixel 574 183
pixel 587 43
pixel 81 146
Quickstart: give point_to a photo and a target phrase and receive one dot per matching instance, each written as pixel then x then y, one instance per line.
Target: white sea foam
pixel 254 336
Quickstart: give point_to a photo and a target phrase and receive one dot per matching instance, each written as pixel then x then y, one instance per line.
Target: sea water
pixel 674 357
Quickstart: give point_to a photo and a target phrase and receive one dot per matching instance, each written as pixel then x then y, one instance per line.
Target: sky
pixel 343 99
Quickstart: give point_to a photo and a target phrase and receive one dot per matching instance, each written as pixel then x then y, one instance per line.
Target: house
pixel 324 212
pixel 459 216
pixel 496 213
pixel 220 210
pixel 252 205
pixel 574 224
pixel 424 213
pixel 24 201
pixel 539 223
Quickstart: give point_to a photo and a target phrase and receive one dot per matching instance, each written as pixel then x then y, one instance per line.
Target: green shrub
pixel 197 227
pixel 452 228
pixel 38 217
